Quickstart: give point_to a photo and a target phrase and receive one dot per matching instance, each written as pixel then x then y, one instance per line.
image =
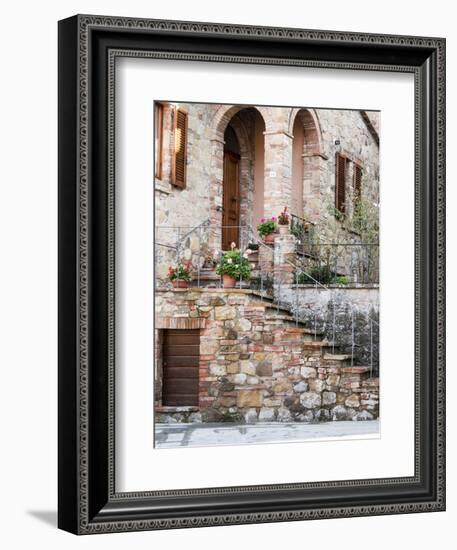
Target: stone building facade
pixel 285 157
pixel 218 170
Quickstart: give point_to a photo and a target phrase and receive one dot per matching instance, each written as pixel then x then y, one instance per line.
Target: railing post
pixel 178 245
pixel 352 337
pixel 199 254
pixel 371 348
pixel 296 298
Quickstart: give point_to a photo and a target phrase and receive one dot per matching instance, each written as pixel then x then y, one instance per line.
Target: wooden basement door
pixel 181 353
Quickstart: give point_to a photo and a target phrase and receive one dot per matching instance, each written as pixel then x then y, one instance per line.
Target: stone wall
pixel 343 131
pixel 334 311
pixel 257 365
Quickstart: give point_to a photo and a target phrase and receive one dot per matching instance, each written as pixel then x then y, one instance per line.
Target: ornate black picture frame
pixel 88 501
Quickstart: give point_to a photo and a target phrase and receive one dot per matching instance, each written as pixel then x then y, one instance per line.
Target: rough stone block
pixel 328 398
pixel 233 367
pixel 217 370
pixel 352 401
pixel 250 416
pixel 284 415
pixel 247 367
pixel 266 415
pixel 240 378
pixel 316 385
pixel 308 372
pixel 310 400
pixel 363 415
pixel 250 398
pixel 339 413
pixel 222 313
pixel 264 368
pixel 282 386
pixel 301 387
pixel 322 415
pixel 208 346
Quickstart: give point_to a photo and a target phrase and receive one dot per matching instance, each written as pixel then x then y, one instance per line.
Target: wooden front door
pixel 231 200
pixel 181 353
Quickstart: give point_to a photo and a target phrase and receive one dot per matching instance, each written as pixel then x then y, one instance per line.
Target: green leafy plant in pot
pixel 267 228
pixel 233 266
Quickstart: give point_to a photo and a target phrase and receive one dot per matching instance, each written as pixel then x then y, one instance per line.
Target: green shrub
pixel 341 280
pixel 321 274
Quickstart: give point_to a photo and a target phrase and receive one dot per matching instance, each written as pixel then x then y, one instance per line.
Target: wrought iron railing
pixel 342 263
pixel 303 230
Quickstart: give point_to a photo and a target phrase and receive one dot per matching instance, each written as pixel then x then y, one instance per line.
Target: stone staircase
pixel 280 315
pixel 258 363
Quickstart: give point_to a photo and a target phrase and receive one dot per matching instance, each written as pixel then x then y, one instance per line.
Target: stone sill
pixel 162 187
pixel 168 409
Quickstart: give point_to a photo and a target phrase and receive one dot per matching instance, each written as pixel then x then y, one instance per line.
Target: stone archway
pixel 307 163
pixel 245 122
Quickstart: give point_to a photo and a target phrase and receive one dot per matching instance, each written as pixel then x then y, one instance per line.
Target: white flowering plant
pixel 235 264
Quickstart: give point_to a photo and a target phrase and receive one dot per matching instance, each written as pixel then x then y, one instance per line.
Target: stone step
pixel 319 343
pixel 279 317
pixel 356 369
pixel 337 357
pixel 280 320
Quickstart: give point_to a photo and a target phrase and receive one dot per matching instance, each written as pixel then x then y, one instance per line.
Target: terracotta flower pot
pixel 180 283
pixel 283 229
pixel 228 281
pixel 269 239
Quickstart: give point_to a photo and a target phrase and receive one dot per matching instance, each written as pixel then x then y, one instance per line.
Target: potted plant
pixel 283 222
pixel 267 229
pixel 233 266
pixel 180 275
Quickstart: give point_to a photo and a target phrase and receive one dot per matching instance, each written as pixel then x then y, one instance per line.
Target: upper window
pixel 341 169
pixel 158 133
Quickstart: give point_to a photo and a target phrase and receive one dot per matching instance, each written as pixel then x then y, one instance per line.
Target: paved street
pixel 204 435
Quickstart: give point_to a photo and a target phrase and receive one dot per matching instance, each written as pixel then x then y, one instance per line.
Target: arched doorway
pixel 297 167
pixel 306 164
pixel 242 176
pixel 231 190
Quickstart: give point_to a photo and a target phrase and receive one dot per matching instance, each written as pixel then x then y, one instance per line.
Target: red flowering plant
pixel 284 217
pixel 181 272
pixel 266 226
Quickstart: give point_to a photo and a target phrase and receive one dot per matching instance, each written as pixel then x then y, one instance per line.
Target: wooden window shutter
pixel 158 120
pixel 340 183
pixel 357 182
pixel 178 171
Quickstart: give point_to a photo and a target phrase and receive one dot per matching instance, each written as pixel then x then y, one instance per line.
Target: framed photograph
pixel 251 274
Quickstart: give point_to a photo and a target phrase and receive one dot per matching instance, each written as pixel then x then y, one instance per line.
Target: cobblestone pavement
pixel 204 435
